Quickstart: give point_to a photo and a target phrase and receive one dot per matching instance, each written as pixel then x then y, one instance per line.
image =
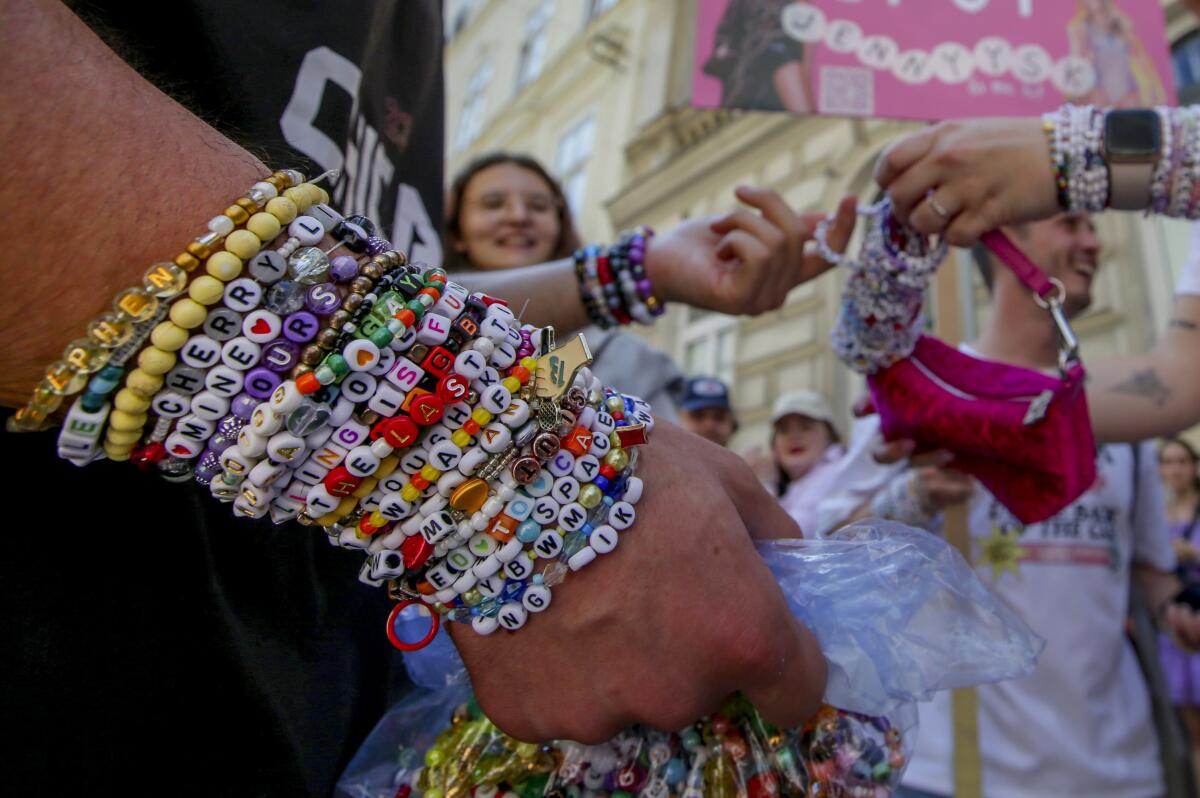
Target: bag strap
pixel 1026 270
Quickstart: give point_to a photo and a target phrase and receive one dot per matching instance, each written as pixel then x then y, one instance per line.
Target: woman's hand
pixel 982 173
pixel 743 262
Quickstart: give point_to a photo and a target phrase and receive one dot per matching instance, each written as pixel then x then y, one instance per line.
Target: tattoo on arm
pixel 1184 324
pixel 1145 383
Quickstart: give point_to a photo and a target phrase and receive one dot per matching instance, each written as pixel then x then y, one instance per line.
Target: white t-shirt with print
pixel 1081 724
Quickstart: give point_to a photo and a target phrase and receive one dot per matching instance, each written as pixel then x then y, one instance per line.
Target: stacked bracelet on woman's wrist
pixel 473 461
pixel 613 283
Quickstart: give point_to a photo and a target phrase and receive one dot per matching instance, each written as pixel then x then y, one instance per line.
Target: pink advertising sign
pixel 930 59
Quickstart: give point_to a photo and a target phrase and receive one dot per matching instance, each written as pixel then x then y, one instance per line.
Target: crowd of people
pixel 155 644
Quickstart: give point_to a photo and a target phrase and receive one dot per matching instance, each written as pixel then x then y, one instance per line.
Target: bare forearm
pixel 551 290
pixel 106 175
pixel 1156 393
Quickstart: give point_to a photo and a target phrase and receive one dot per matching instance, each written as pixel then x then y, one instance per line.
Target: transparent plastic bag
pixel 898 613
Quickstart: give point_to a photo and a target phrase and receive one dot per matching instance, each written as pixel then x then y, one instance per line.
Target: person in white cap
pixel 804 447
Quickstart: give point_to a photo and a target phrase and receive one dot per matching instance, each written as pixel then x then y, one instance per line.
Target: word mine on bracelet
pixel 474 462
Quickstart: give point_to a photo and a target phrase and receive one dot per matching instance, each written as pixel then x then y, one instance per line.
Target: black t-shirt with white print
pixel 152 643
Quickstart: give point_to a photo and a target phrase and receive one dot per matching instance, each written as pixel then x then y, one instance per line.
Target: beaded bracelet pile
pixel 474 461
pixel 880 318
pixel 613 283
pixel 1075 138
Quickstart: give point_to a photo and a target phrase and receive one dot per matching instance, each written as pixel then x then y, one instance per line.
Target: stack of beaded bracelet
pixel 880 318
pixel 116 332
pixel 377 399
pixel 613 283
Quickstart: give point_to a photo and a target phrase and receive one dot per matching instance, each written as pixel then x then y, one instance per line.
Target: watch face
pixel 1132 135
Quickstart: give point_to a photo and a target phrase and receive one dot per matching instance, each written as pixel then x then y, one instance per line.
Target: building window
pixel 459 13
pixel 594 8
pixel 533 48
pixel 709 345
pixel 1185 56
pixel 574 150
pixel 470 123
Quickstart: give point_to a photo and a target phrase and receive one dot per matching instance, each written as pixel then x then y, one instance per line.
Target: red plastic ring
pixel 420 644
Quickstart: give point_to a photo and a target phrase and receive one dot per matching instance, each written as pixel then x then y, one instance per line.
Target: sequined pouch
pixel 1025 435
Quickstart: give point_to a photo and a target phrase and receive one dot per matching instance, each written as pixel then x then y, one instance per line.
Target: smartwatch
pixel 1132 146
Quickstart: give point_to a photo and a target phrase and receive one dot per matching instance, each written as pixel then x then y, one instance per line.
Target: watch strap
pixel 1129 185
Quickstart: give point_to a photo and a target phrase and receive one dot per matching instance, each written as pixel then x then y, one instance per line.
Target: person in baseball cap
pixel 804 448
pixel 705 410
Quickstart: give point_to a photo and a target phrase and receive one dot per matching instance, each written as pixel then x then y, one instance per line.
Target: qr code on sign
pixel 847 90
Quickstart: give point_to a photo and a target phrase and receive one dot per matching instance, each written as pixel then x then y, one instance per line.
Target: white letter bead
pixel 265 473
pixel 224 381
pixel 169 404
pixel 445 455
pixel 445 596
pixel 512 616
pixel 485 569
pixel 200 352
pixel 519 508
pixel 490 586
pixel 361 461
pixel 586 468
pixel 306 230
pixel 460 560
pixel 495 399
pixel 603 539
pixel 439 576
pixel 405 374
pixel 581 558
pixel 251 444
pixel 621 515
pixel 180 446
pixel 387 359
pixel 495 438
pixel 548 544
pixel 311 472
pixel 572 516
pixel 566 489
pixel 433 329
pixel 494 330
pixel 484 625
pixel 520 568
pixel 359 387
pixel 469 364
pixel 633 490
pixel 437 527
pixel 394 508
pixel 286 397
pixel 601 445
pixel 319 501
pixel 542 485
pixel 351 434
pixel 361 355
pixel 587 417
pixel 561 464
pixel 240 353
pixel 284 447
pixel 247 510
pixel 504 355
pixel 604 424
pixel 243 295
pixel 486 380
pixel 265 421
pixel 510 550
pixel 236 463
pixel 484 346
pixel 387 401
pixel 387 565
pixel 326 216
pixel 381 448
pixel 516 414
pixel 195 428
pixel 536 598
